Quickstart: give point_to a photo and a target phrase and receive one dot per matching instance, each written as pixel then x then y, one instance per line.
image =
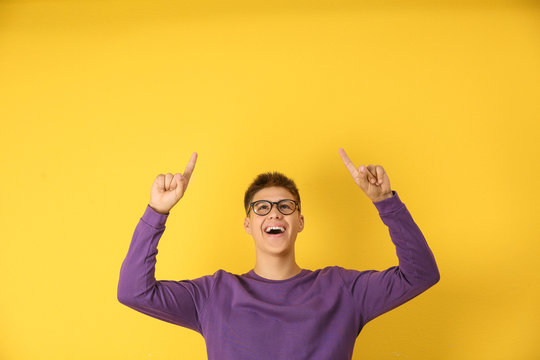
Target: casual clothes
pixel 314 315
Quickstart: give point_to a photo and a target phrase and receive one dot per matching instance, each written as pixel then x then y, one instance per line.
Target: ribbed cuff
pixel 389 205
pixel 153 218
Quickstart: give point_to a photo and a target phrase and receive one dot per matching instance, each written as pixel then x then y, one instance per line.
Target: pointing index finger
pixel 348 163
pixel 190 166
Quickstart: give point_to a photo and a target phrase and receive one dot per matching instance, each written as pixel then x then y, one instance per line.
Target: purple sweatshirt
pixel 314 315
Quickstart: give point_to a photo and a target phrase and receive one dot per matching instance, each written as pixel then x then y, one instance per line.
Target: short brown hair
pixel 269 179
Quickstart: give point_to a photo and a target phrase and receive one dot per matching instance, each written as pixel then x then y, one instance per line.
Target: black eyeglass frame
pixel 297 206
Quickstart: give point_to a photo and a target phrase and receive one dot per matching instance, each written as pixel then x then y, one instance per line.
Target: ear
pixel 301 222
pixel 247 225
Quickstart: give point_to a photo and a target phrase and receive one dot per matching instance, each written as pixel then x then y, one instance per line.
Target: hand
pixel 167 189
pixel 373 180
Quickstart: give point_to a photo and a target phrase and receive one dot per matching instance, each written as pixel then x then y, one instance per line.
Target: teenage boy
pixel 277 310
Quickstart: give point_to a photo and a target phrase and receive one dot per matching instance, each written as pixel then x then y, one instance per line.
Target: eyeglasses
pixel 263 207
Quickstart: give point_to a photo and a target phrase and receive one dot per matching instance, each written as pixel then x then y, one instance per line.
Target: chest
pixel 280 315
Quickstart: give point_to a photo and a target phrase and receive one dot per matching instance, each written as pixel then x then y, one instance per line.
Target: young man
pixel 277 310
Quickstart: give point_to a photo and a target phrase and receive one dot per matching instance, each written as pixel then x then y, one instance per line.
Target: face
pixel 258 226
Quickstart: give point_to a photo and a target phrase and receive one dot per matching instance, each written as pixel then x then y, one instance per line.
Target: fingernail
pixel 362 168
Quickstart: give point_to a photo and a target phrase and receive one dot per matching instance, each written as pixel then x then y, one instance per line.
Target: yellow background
pixel 98 98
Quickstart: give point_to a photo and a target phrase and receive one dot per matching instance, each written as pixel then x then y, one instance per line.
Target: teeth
pixel 270 228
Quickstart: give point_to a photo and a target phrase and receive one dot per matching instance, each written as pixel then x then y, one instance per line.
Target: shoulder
pixel 222 277
pixel 218 275
pixel 331 270
pixel 346 276
pixel 207 281
pixel 329 273
pixel 337 276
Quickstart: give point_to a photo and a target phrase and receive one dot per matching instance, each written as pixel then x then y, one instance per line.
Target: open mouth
pixel 274 230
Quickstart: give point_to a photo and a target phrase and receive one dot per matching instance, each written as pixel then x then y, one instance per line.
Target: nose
pixel 274 212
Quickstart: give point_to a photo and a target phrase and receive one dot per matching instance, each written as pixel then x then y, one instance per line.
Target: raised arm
pixel 177 302
pixel 377 292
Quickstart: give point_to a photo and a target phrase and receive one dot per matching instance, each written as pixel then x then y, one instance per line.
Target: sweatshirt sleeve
pixel 377 292
pixel 177 302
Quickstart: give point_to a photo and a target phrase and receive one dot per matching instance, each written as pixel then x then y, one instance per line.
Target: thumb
pixel 362 179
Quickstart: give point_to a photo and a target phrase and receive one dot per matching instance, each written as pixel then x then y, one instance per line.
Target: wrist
pixel 158 210
pixel 384 197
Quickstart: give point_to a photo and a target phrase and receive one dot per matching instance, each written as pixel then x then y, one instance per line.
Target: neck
pixel 274 267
